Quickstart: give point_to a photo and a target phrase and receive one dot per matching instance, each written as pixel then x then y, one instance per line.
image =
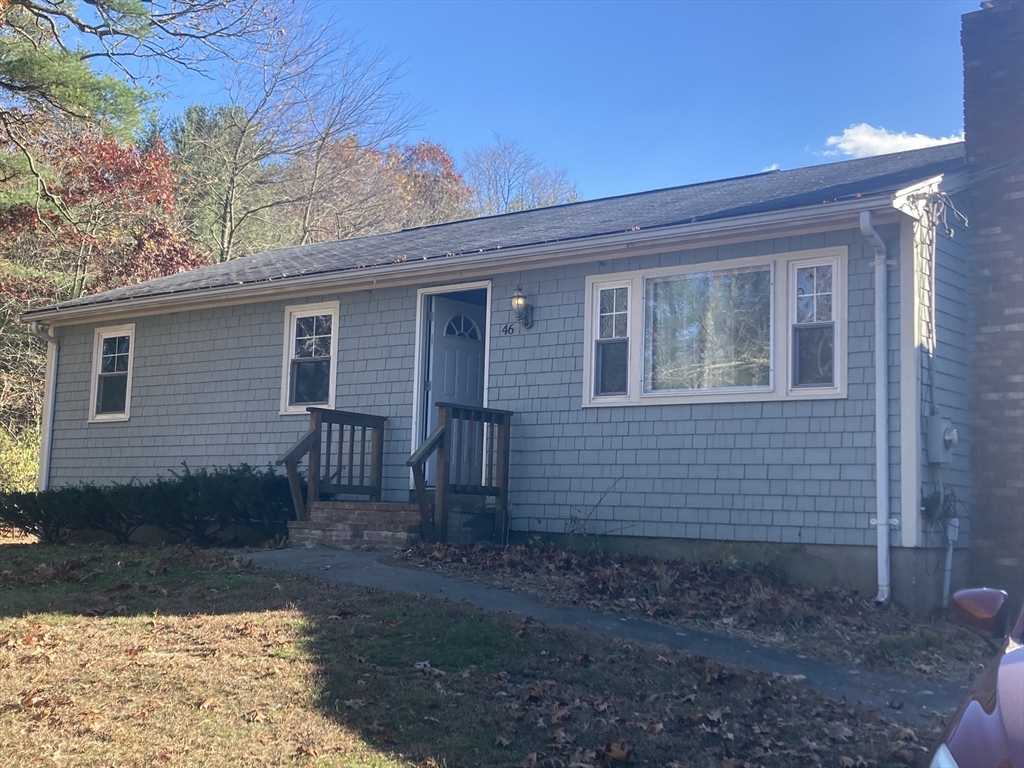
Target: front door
pixel 455 358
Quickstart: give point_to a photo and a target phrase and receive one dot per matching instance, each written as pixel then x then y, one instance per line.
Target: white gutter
pixel 49 398
pixel 467 266
pixel 881 361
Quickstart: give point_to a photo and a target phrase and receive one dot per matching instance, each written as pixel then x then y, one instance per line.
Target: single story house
pixel 823 367
pixel 775 363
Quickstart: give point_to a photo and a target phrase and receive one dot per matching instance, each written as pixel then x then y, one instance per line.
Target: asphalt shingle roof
pixel 759 193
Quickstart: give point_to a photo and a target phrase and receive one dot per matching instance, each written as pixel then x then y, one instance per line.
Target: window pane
pixel 708 330
pixel 805 309
pixel 620 326
pixel 122 344
pixel 110 346
pixel 107 364
pixel 607 326
pixel 303 327
pixel 805 281
pixel 121 363
pixel 322 325
pixel 310 382
pixel 823 312
pixel 823 279
pixel 111 393
pixel 607 302
pixel 321 346
pixel 304 347
pixel 620 299
pixel 813 355
pixel 612 360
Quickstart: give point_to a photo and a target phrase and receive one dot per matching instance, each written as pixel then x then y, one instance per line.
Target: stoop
pixel 345 524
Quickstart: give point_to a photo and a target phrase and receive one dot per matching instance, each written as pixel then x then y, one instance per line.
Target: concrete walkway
pixel 919 698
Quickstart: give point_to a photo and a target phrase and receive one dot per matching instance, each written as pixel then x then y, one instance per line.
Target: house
pixel 774 366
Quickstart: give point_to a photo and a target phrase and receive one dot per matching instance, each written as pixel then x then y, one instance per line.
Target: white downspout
pixel 49 398
pixel 882 521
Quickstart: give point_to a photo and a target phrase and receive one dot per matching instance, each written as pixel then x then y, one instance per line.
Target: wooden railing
pixel 471 446
pixel 346 456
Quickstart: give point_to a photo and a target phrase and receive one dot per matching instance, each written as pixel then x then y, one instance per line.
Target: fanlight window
pixel 462 327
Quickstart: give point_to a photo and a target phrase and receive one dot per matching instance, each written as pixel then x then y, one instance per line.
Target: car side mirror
pixel 983 609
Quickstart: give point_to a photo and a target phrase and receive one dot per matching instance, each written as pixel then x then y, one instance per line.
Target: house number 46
pixel 508 329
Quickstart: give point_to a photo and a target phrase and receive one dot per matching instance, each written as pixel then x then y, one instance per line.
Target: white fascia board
pixel 438 269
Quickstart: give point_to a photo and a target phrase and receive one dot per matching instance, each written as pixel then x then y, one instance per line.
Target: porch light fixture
pixel 521 308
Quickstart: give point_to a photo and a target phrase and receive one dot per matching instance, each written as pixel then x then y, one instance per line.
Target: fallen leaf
pixel 209 703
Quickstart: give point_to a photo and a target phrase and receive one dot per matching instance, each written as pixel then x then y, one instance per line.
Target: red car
pixel 988 729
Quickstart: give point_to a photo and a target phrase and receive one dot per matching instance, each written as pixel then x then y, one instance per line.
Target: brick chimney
pixel 993 46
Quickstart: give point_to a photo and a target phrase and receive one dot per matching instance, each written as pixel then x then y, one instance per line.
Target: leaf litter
pixel 753 602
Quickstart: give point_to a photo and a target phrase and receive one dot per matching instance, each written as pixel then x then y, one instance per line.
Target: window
pixel 814 332
pixel 111 390
pixel 310 359
pixel 764 328
pixel 708 330
pixel 611 352
pixel 462 327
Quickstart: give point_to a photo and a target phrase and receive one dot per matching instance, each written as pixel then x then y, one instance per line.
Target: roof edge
pixel 432 269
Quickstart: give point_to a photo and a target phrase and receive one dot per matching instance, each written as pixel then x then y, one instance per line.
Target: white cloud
pixel 772 167
pixel 865 140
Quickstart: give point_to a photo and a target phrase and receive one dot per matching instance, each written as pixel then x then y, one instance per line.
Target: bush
pixel 199 506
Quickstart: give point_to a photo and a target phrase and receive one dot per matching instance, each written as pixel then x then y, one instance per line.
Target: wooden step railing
pixel 346 456
pixel 471 446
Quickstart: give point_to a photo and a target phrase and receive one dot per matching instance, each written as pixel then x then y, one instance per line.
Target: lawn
pixel 175 656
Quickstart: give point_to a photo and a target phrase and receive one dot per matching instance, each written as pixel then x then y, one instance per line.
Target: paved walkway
pixel 919 698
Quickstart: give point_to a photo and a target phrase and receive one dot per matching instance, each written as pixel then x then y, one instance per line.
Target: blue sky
pixel 634 96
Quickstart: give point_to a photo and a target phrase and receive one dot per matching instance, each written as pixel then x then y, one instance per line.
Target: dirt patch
pixel 751 602
pixel 188 658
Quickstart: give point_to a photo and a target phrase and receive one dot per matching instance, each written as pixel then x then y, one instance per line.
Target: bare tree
pixel 507 177
pixel 298 95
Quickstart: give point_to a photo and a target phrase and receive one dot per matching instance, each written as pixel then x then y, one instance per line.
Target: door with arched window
pixel 455 369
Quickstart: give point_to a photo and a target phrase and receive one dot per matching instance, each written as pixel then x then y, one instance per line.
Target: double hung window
pixel 111 390
pixel 753 329
pixel 310 357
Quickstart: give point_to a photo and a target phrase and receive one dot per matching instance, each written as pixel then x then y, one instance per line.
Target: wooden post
pixel 292 470
pixel 443 474
pixel 313 483
pixel 501 502
pixel 376 462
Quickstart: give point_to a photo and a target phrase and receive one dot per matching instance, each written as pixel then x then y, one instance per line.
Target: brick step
pixel 343 536
pixel 359 506
pixel 383 516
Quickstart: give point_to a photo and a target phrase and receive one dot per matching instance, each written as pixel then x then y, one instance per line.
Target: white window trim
pixel 838 318
pixel 291 315
pixel 97 356
pixel 781 370
pixel 590 334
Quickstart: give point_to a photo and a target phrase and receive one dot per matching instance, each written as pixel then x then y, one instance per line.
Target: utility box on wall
pixel 942 439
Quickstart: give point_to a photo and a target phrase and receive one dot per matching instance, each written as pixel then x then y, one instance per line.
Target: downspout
pixel 882 521
pixel 49 398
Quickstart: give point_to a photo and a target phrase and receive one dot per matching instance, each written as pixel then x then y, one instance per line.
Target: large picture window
pixel 708 330
pixel 764 328
pixel 111 389
pixel 310 362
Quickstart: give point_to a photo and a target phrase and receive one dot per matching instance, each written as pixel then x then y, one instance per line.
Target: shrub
pixel 200 506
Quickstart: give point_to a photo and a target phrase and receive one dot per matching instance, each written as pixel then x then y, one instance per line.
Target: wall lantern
pixel 521 308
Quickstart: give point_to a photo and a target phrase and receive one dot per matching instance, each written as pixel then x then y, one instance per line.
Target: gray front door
pixel 455 369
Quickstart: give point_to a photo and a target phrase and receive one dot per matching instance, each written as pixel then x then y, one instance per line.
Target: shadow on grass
pixel 414 680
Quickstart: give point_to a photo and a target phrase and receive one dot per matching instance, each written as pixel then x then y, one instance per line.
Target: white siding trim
pixel 910 388
pixel 291 313
pixel 97 348
pixel 49 401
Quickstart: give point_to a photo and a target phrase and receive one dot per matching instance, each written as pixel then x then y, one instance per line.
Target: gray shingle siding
pixel 206 390
pixel 950 361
